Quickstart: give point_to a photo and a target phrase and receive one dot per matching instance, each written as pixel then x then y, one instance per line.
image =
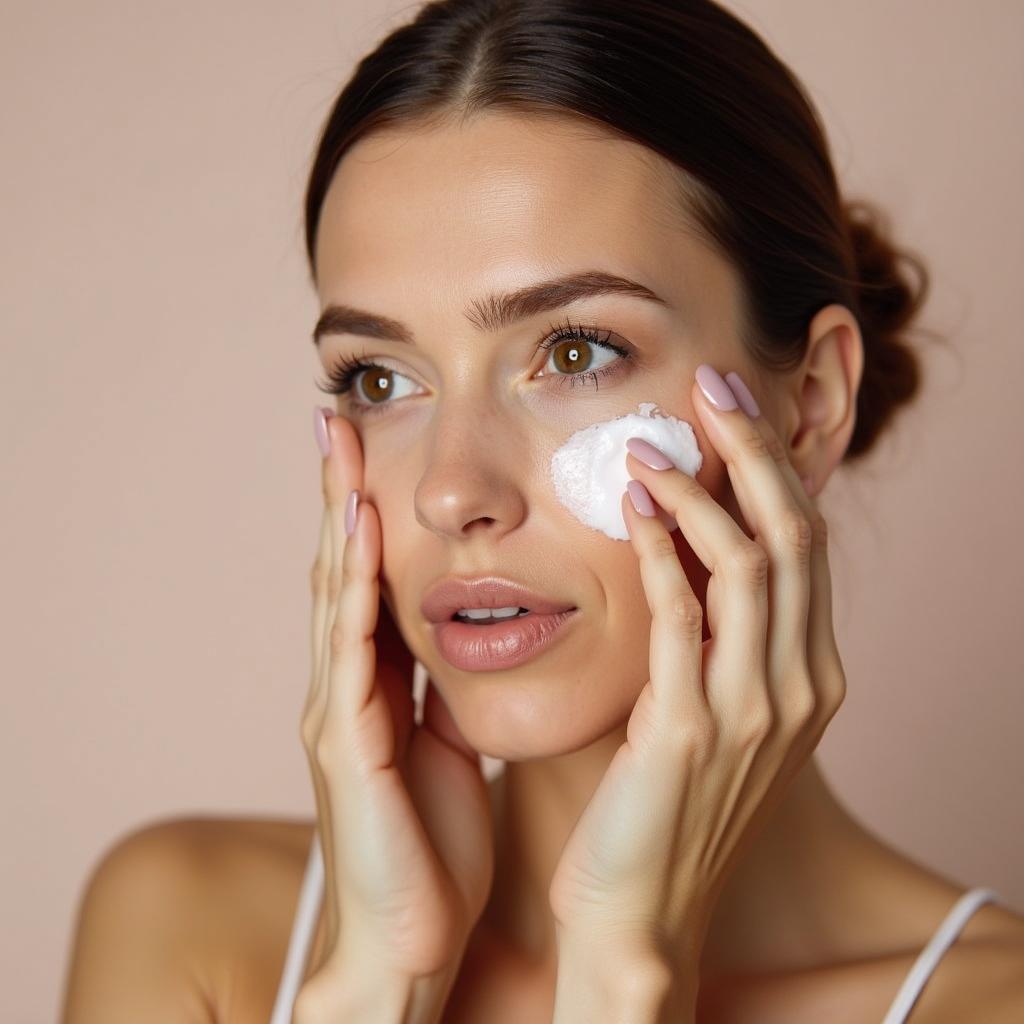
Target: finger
pixel 821 648
pixel 756 461
pixel 676 616
pixel 342 472
pixel 789 473
pixel 318 578
pixel 352 647
pixel 738 569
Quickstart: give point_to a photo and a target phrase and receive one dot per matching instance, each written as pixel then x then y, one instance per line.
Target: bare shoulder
pixel 986 977
pixel 981 976
pixel 200 906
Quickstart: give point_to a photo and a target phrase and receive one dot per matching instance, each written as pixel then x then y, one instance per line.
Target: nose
pixel 472 476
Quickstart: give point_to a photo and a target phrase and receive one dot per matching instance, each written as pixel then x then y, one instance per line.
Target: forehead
pixel 463 207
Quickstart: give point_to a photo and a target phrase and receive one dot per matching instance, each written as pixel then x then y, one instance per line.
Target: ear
pixel 822 411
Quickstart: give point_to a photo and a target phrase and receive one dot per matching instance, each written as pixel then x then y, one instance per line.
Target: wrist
pixel 624 983
pixel 360 989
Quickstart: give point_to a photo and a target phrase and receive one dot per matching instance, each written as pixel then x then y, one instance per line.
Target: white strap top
pixel 312 894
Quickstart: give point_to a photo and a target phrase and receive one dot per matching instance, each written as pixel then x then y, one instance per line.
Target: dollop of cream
pixel 589 470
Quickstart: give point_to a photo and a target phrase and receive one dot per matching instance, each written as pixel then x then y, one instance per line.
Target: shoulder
pixel 172 864
pixel 187 901
pixel 981 976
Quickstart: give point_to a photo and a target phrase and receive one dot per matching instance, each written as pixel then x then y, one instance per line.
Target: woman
pixel 525 219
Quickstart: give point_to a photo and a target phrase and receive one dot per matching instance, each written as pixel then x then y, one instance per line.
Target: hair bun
pixel 889 300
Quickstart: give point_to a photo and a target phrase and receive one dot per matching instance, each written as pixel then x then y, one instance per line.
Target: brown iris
pixel 573 351
pixel 377 377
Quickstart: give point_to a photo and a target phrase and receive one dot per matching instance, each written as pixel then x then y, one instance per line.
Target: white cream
pixel 589 470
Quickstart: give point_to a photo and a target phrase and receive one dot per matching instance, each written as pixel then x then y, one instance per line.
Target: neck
pixel 781 907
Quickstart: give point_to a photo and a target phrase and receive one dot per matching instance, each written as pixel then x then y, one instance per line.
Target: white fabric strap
pixel 929 957
pixel 302 934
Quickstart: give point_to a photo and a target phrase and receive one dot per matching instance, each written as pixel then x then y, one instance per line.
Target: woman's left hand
pixel 723 725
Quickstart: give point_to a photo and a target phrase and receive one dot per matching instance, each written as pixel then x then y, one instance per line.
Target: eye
pixel 572 349
pixel 378 382
pixel 571 356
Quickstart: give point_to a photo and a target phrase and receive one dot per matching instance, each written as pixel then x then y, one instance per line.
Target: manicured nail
pixel 350 512
pixel 743 395
pixel 323 439
pixel 648 454
pixel 641 498
pixel 716 391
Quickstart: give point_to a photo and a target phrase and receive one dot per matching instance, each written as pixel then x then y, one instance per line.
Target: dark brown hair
pixel 693 83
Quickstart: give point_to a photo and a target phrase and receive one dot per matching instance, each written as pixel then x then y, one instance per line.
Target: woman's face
pixel 424 227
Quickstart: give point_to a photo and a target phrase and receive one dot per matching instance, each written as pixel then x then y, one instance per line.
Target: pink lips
pixel 447 596
pixel 499 645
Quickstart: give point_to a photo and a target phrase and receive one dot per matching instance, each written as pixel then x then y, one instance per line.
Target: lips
pixel 447 596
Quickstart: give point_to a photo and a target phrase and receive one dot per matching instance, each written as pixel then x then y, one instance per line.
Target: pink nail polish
pixel 716 391
pixel 323 439
pixel 648 454
pixel 641 498
pixel 743 395
pixel 350 512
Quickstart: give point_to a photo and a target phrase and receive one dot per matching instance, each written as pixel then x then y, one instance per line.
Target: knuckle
pixel 336 638
pixel 689 486
pixel 774 447
pixel 750 562
pixel 663 547
pixel 794 532
pixel 309 731
pixel 755 445
pixel 325 749
pixel 698 739
pixel 835 691
pixel 688 613
pixel 802 706
pixel 756 725
pixel 347 575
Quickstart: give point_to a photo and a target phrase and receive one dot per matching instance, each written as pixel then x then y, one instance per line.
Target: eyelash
pixel 340 378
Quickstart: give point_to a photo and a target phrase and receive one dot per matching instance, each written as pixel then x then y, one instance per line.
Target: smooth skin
pixel 819 919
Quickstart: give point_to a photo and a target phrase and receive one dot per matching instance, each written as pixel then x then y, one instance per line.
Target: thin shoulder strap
pixel 929 957
pixel 306 913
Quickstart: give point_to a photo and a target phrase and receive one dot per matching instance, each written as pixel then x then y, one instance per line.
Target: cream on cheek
pixel 589 470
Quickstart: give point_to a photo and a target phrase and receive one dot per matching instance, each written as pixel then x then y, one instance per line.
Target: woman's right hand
pixel 403 811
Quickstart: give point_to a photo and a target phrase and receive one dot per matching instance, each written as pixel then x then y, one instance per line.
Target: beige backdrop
pixel 161 482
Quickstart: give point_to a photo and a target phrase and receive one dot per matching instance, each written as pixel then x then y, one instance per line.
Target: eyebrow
pixel 492 313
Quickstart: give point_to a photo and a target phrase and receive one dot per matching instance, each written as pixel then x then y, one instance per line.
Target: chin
pixel 537 716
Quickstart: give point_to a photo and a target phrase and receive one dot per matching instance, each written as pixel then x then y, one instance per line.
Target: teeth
pixel 487 613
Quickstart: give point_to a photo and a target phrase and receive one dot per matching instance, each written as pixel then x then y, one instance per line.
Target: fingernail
pixel 716 391
pixel 350 512
pixel 641 498
pixel 323 439
pixel 648 454
pixel 743 395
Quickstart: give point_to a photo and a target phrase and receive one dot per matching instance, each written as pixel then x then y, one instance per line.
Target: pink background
pixel 161 482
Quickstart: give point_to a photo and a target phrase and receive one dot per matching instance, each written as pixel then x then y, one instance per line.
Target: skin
pixel 416 225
